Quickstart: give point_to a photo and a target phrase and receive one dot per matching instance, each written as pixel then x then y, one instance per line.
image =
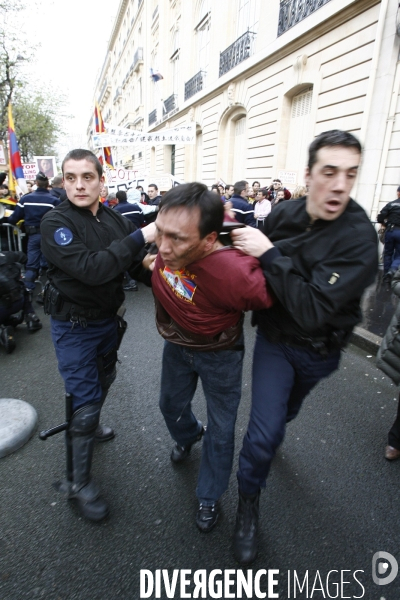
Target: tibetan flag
pixel 155 75
pixel 16 170
pixel 99 128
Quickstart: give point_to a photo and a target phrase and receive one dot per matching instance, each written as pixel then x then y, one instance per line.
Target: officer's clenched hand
pixel 250 241
pixel 149 261
pixel 149 232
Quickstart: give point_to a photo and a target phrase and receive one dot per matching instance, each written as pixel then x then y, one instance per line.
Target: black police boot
pixel 103 433
pixel 7 338
pixel 179 453
pixel 245 536
pixel 83 490
pixel 33 322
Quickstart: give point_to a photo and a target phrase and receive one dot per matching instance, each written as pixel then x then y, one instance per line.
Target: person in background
pixel 262 207
pixel 299 191
pixel 390 218
pixel 280 196
pixel 275 187
pixel 228 192
pixel 154 196
pixel 244 211
pixel 57 188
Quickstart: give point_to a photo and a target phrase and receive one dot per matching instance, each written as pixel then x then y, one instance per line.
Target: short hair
pixel 398 189
pixel 57 181
pixel 42 184
pixel 196 195
pixel 333 137
pixel 229 185
pixel 276 180
pixel 121 196
pixel 215 186
pixel 239 186
pixel 81 154
pixel 264 191
pixel 3 177
pixel 152 185
pixel 111 196
pixel 255 182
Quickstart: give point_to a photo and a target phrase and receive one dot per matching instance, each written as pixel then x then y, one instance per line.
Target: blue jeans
pixel 282 377
pixel 78 350
pixel 221 376
pixel 391 257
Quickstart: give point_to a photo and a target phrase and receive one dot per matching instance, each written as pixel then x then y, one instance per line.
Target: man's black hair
pixel 121 196
pixel 196 195
pixel 228 186
pixel 334 137
pixel 3 177
pixel 264 191
pixel 239 186
pixel 153 185
pixel 81 154
pixel 255 182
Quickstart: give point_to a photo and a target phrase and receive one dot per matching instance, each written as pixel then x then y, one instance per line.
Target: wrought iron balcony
pixel 153 116
pixel 137 59
pixel 194 85
pixel 292 12
pixel 169 104
pixel 236 53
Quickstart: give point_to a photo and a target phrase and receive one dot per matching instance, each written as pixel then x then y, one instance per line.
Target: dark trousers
pixel 221 376
pixel 394 433
pixel 282 377
pixel 35 260
pixel 79 350
pixel 391 256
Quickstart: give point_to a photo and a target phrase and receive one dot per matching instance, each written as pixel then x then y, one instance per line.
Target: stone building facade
pixel 259 79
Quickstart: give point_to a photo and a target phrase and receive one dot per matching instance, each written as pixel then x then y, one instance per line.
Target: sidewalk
pixel 378 306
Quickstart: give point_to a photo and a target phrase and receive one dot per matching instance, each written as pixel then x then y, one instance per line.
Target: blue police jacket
pixel 133 212
pixel 32 207
pixel 244 211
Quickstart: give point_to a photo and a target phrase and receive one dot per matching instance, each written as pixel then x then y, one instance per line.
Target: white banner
pixel 115 130
pixel 178 135
pixel 30 170
pixel 124 179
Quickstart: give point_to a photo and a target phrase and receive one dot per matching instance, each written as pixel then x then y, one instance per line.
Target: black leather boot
pixel 245 536
pixel 82 490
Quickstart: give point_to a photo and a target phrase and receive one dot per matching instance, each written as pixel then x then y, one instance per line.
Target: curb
pixel 18 421
pixel 366 340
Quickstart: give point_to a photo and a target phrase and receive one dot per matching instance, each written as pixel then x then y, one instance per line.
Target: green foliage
pixel 36 113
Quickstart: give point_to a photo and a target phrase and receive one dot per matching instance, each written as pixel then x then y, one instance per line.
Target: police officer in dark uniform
pixel 31 208
pixel 88 247
pixel 390 217
pixel 318 255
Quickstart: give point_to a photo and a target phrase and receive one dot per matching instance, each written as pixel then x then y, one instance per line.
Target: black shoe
pixel 7 339
pixel 245 536
pixel 103 433
pixel 207 517
pixel 33 322
pixel 179 453
pixel 131 287
pixel 91 505
pixel 15 320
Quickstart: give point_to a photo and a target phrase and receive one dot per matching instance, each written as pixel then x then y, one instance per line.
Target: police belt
pixel 322 344
pixel 31 229
pixel 63 310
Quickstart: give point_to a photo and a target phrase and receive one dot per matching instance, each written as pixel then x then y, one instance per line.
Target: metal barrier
pixel 11 237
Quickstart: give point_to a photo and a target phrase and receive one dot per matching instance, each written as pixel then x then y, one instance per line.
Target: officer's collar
pixel 86 210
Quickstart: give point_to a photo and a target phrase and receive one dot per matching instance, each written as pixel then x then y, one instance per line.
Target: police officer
pixel 318 255
pixel 390 217
pixel 88 247
pixel 31 208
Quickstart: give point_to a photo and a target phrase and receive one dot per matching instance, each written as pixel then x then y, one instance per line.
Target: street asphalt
pixel 329 506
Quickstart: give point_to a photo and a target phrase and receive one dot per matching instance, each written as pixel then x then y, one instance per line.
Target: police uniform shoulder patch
pixel 63 236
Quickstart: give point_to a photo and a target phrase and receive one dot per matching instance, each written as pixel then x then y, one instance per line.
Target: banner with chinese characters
pixel 178 135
